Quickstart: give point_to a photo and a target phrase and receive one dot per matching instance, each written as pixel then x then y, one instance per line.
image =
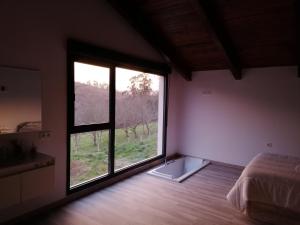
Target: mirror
pixel 20 100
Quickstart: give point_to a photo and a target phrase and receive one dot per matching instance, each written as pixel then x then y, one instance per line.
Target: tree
pixel 138 105
pixel 140 85
pixel 92 106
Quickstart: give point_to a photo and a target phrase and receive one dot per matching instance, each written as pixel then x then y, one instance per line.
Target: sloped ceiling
pixel 197 35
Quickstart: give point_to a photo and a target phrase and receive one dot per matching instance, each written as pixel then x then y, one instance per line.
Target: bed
pixel 268 189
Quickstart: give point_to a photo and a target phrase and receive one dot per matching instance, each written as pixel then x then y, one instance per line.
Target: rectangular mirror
pixel 20 100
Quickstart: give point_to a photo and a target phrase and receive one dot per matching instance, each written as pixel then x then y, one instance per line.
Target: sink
pixel 15 166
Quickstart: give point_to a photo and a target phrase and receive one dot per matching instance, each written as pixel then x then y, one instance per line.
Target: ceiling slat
pixel 297 7
pixel 209 17
pixel 139 22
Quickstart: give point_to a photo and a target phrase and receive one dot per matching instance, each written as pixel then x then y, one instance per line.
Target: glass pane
pixel 89 156
pixel 91 94
pixel 139 117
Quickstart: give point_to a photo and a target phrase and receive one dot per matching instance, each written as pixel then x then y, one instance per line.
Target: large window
pixel 116 113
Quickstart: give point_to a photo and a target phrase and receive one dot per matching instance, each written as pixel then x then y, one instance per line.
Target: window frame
pixel 90 54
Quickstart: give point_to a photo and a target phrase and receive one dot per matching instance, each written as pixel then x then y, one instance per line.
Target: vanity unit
pixel 27 179
pixel 24 174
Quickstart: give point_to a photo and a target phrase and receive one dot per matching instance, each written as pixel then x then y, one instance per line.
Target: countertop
pixel 29 163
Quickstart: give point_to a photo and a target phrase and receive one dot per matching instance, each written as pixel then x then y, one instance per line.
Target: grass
pixel 87 162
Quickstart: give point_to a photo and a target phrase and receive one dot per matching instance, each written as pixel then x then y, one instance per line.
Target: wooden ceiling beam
pixel 297 11
pixel 132 14
pixel 209 18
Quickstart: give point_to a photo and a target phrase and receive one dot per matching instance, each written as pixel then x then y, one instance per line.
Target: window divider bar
pixel 112 113
pixel 165 115
pixel 91 127
pixel 117 58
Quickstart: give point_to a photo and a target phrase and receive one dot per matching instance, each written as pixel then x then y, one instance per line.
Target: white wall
pixel 173 126
pixel 33 35
pixel 21 102
pixel 231 121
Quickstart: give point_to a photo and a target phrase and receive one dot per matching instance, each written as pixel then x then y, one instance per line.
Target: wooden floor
pixel 147 200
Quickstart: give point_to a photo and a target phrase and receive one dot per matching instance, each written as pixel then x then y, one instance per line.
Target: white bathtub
pixel 179 169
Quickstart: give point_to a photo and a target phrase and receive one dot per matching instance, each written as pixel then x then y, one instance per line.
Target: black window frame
pixel 86 53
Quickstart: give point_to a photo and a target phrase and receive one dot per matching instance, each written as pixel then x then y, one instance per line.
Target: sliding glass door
pixel 139 116
pixel 116 117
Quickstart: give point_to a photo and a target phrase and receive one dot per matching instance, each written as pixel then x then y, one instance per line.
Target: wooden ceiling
pixel 197 35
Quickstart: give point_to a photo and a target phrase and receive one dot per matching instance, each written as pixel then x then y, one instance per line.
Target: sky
pixel 86 72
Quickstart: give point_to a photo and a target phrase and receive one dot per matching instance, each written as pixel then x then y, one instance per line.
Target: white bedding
pixel 269 179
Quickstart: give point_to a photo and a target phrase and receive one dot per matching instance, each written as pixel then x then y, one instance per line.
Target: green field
pixel 89 160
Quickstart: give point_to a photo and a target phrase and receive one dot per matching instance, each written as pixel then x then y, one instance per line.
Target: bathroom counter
pixel 40 160
pixel 26 179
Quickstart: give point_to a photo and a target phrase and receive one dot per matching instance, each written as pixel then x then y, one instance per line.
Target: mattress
pixel 269 182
